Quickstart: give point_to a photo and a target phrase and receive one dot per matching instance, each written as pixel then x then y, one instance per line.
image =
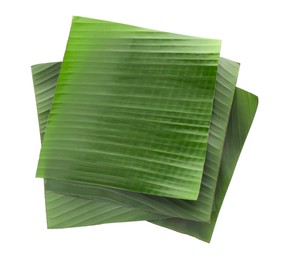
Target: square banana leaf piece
pixel 137 106
pixel 141 108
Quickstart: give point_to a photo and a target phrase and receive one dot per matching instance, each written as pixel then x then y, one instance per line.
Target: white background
pixel 250 225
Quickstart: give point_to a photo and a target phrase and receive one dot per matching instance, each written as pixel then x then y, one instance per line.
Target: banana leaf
pixel 199 210
pixel 81 211
pixel 76 203
pixel 196 210
pixel 70 211
pixel 136 104
pixel 243 111
pixel 64 210
pixel 89 212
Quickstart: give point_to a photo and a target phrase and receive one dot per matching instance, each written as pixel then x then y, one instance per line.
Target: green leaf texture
pixel 64 210
pixel 199 210
pixel 69 211
pixel 137 121
pixel 196 210
pixel 136 105
pixel 242 114
pixel 45 78
pixel 56 212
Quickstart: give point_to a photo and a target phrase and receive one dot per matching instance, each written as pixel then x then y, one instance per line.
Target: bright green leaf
pixel 131 110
